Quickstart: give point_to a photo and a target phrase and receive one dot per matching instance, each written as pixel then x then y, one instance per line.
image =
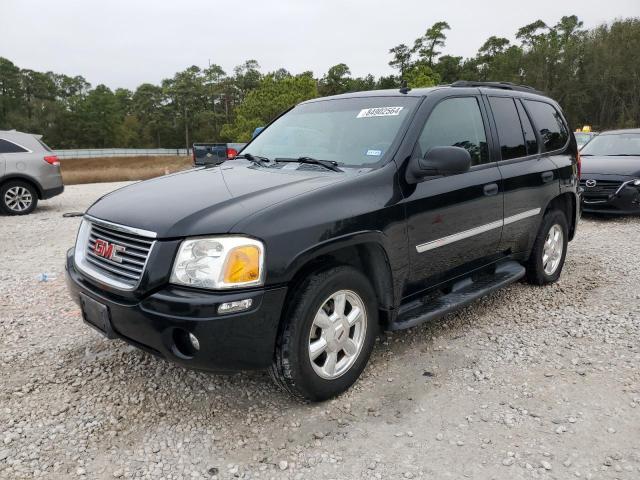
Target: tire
pixel 18 198
pixel 541 269
pixel 293 368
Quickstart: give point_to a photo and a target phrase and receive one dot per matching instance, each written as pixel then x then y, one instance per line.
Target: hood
pixel 622 166
pixel 207 200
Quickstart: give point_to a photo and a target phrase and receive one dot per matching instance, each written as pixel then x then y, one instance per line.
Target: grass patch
pixel 119 169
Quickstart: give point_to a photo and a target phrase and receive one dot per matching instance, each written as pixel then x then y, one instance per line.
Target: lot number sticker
pixel 379 112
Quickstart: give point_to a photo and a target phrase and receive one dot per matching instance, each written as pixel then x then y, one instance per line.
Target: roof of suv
pixel 463 86
pixel 30 141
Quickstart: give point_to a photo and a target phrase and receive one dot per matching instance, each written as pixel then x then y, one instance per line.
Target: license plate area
pixel 96 315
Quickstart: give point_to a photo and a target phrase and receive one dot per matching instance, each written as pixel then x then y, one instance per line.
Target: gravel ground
pixel 527 383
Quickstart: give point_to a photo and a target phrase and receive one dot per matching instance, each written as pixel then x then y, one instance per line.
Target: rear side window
pixel 509 129
pixel 456 122
pixel 527 128
pixel 553 132
pixel 10 147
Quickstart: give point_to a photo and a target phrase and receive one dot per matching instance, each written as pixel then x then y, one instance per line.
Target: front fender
pixel 367 250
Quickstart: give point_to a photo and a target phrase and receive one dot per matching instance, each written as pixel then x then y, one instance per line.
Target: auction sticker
pixel 379 112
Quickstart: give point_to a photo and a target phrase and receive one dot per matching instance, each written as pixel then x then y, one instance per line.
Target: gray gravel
pixel 527 383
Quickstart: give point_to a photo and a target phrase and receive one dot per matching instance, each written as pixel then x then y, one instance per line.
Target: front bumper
pixel 238 341
pixel 626 201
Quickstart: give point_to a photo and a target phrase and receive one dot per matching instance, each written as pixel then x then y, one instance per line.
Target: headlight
pixel 219 263
pixel 637 182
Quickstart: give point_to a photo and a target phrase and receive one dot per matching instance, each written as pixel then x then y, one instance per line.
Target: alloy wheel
pixel 18 199
pixel 552 250
pixel 337 334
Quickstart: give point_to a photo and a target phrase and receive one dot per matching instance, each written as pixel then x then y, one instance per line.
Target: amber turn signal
pixel 242 265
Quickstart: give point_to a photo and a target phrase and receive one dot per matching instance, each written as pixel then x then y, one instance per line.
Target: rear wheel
pixel 549 249
pixel 328 336
pixel 18 198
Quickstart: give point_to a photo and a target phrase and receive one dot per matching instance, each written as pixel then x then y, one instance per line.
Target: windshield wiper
pixel 257 159
pixel 331 165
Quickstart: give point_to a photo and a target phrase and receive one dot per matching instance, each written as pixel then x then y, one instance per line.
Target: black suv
pixel 346 215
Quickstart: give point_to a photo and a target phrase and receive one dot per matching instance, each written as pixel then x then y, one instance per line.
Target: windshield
pixel 613 144
pixel 353 132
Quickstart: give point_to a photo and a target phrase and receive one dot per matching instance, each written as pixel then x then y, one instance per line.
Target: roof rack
pixel 500 85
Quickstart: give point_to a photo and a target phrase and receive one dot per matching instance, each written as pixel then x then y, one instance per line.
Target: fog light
pixel 194 341
pixel 232 307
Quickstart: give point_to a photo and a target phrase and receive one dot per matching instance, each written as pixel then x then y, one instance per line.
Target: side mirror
pixel 256 132
pixel 441 161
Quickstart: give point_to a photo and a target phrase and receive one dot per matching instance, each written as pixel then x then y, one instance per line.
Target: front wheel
pixel 549 249
pixel 327 339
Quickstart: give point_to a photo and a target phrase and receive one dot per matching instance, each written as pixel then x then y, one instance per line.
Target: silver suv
pixel 28 171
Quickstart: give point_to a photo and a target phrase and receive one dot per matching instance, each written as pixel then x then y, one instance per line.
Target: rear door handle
pixel 547 177
pixel 491 189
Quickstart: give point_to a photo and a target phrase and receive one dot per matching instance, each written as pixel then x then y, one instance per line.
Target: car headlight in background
pixel 636 182
pixel 219 263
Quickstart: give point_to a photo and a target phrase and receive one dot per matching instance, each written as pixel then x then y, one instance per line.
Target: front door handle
pixel 547 177
pixel 491 189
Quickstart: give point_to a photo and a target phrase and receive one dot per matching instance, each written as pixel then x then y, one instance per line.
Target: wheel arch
pixel 23 178
pixel 364 251
pixel 567 204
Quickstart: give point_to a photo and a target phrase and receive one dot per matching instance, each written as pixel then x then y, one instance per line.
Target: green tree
pixel 401 58
pixel 337 80
pixel 10 90
pixel 420 75
pixel 433 38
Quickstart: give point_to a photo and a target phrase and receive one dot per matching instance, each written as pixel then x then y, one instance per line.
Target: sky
pixel 123 43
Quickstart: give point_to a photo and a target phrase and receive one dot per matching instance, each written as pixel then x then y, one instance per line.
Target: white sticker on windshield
pixel 374 153
pixel 379 112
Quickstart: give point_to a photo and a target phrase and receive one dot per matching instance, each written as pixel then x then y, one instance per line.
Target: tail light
pixel 231 152
pixel 579 164
pixel 52 160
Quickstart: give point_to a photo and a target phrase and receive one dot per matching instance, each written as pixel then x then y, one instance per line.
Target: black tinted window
pixel 527 128
pixel 547 119
pixel 10 147
pixel 456 122
pixel 509 130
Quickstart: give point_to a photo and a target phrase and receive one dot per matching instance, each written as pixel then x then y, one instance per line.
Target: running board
pixel 462 293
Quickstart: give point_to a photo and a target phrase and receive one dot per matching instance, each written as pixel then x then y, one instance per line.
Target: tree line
pixel 593 73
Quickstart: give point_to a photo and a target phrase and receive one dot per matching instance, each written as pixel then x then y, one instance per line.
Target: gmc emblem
pixel 108 250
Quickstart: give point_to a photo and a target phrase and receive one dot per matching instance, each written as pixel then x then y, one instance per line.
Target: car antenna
pixel 403 87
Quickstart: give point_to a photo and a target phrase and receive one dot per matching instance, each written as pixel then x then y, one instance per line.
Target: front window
pixel 625 144
pixel 456 122
pixel 354 132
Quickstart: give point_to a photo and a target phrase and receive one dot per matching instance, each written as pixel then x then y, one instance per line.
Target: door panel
pixel 529 185
pixel 530 181
pixel 453 221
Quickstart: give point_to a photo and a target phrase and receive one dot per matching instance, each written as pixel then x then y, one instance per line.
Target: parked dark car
pixel 611 173
pixel 346 215
pixel 214 153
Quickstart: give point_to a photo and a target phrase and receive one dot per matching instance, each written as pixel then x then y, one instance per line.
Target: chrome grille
pixel 121 255
pixel 602 188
